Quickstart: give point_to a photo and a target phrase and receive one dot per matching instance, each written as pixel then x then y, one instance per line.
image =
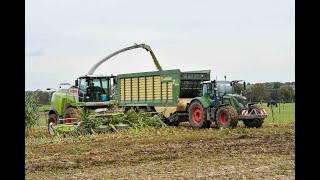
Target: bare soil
pixel 177 153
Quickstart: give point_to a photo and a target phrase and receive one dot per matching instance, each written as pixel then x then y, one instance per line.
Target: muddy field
pixel 171 153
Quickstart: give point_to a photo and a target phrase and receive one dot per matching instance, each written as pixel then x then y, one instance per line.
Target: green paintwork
pixel 230 99
pixel 79 104
pixel 64 128
pixel 204 101
pixel 173 76
pixel 60 99
pixel 113 102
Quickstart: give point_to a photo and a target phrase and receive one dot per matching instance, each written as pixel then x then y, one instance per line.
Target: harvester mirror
pixel 76 82
pixel 114 81
pixel 244 86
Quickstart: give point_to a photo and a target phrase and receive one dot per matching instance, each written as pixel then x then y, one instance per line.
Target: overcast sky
pixel 248 39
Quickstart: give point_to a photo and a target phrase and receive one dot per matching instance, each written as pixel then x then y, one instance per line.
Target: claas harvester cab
pixel 90 92
pixel 219 103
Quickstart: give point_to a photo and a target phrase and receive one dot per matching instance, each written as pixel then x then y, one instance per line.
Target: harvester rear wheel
pixel 71 112
pixel 198 116
pixel 52 119
pixel 227 117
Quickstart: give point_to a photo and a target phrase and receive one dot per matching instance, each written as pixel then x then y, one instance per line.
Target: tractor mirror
pixel 244 86
pixel 76 82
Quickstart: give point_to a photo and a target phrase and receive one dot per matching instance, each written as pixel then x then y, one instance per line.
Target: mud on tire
pixel 71 112
pixel 251 123
pixel 227 117
pixel 198 116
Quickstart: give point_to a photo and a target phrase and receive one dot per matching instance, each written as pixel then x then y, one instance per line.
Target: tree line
pixel 263 92
pixel 258 92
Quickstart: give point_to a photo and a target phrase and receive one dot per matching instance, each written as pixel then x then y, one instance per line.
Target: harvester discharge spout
pixel 144 46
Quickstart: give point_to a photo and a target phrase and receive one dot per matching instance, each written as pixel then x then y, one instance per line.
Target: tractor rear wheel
pixel 53 118
pixel 198 116
pixel 250 123
pixel 227 117
pixel 71 112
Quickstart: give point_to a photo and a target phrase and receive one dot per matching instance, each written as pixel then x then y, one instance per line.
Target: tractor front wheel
pixel 227 117
pixel 198 116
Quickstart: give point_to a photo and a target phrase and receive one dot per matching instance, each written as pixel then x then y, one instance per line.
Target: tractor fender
pixel 204 101
pixel 205 104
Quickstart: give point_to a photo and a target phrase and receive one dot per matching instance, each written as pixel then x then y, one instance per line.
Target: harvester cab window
pixel 82 84
pixel 105 85
pixel 99 84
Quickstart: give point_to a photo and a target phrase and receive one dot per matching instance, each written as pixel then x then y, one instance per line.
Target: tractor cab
pixel 223 92
pixel 222 88
pixel 93 88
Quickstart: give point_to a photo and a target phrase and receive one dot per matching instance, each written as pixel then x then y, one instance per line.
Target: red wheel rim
pixel 223 118
pixel 68 120
pixel 196 115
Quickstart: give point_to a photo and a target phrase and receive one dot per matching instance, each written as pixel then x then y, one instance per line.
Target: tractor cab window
pixel 224 87
pixel 207 90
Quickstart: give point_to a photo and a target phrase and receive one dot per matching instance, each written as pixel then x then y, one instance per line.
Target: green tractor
pixel 220 104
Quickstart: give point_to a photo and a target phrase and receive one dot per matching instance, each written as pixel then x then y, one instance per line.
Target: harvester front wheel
pixel 71 112
pixel 227 117
pixel 53 120
pixel 198 116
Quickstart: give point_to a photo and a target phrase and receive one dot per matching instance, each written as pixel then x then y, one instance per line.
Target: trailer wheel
pixel 71 112
pixel 52 119
pixel 251 123
pixel 198 116
pixel 227 117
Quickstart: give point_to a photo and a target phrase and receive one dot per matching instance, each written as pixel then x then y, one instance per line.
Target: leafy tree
pixel 287 92
pixel 259 92
pixel 31 109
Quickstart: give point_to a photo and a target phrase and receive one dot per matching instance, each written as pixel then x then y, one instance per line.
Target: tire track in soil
pixel 126 155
